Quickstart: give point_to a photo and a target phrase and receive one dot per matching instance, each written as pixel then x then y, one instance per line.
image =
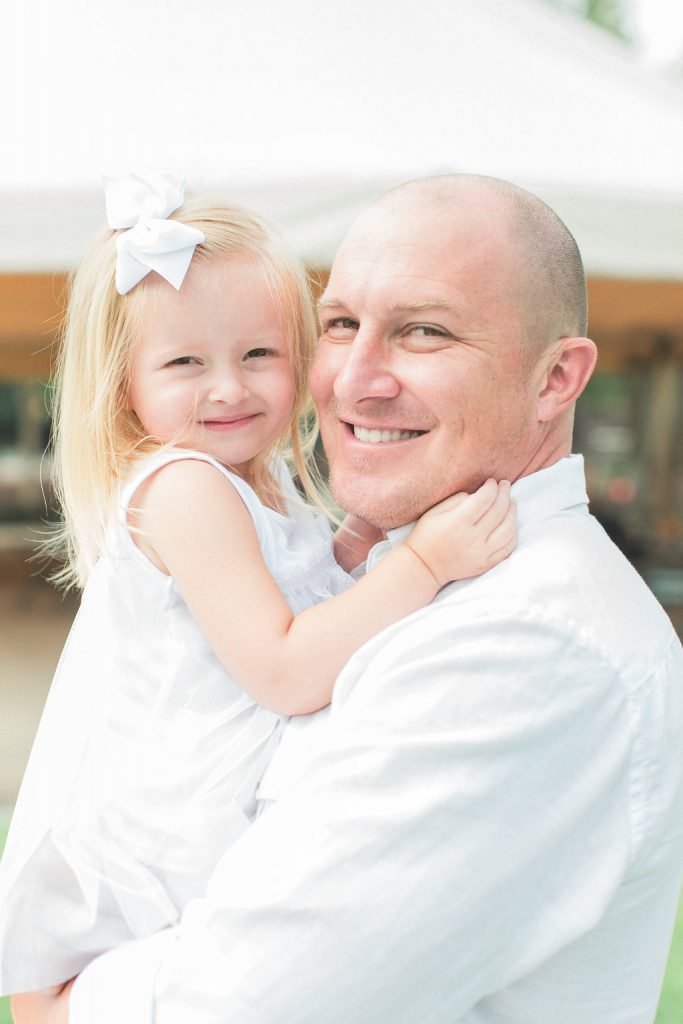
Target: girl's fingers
pixel 448 504
pixel 503 540
pixel 498 509
pixel 478 504
pixel 501 553
pixel 491 496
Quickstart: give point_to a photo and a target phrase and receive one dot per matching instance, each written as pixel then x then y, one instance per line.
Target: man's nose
pixel 367 370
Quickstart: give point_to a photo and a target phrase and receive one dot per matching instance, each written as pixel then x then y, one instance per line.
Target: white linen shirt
pixel 490 829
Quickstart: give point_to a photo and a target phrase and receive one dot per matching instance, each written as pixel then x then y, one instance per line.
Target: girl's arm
pixel 193 525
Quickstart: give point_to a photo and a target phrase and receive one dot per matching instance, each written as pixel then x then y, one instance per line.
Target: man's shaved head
pixel 453 322
pixel 549 280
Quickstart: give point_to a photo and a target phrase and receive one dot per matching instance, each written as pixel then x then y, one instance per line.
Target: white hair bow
pixel 142 203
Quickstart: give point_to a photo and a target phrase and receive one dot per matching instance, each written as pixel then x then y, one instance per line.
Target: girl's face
pixel 212 369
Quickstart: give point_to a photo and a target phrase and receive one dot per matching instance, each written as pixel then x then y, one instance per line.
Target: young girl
pixel 200 624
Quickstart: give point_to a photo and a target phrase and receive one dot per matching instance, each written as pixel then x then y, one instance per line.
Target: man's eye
pixel 344 321
pixel 340 327
pixel 427 331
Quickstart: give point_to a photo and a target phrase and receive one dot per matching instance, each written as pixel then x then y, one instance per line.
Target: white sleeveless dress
pixel 147 758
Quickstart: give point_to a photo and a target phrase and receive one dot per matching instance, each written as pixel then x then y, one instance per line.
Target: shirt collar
pixel 537 496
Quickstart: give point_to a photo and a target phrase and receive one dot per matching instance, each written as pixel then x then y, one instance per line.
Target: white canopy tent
pixel 306 109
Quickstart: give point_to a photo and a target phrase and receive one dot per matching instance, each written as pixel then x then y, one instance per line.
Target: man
pixel 491 828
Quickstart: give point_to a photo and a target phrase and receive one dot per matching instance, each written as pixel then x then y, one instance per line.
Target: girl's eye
pixel 183 361
pixel 258 353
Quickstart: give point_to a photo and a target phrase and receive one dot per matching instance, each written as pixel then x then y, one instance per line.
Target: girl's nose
pixel 228 388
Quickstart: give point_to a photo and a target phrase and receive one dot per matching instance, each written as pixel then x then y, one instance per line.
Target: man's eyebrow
pixel 327 303
pixel 399 307
pixel 420 307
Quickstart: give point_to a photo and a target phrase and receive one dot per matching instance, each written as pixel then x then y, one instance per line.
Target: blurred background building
pixel 306 111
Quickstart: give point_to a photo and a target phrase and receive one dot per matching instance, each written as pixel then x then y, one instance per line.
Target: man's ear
pixel 566 374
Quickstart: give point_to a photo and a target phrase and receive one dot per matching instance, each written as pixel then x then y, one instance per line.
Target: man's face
pixel 420 380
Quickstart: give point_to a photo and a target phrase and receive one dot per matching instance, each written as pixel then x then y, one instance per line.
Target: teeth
pixel 380 436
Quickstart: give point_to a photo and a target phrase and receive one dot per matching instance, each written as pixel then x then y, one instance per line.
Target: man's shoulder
pixel 566 577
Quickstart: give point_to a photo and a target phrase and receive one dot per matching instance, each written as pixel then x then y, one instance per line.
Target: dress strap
pixel 148 466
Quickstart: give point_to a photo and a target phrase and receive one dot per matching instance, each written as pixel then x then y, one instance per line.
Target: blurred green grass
pixel 671 1001
pixel 670 1005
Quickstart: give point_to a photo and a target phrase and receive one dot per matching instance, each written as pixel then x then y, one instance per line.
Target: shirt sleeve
pixel 467 817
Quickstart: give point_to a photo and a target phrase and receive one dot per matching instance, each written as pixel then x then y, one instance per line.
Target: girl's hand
pixel 50 1006
pixel 467 533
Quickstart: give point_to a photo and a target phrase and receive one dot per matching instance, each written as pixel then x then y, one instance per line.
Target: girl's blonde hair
pixel 96 435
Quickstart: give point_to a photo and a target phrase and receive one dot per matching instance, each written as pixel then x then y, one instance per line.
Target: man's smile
pixel 382 435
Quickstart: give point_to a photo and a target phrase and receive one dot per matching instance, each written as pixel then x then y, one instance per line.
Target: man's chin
pixel 383 511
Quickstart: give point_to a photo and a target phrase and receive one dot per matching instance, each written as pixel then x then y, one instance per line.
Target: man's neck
pixel 553 446
pixel 561 484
